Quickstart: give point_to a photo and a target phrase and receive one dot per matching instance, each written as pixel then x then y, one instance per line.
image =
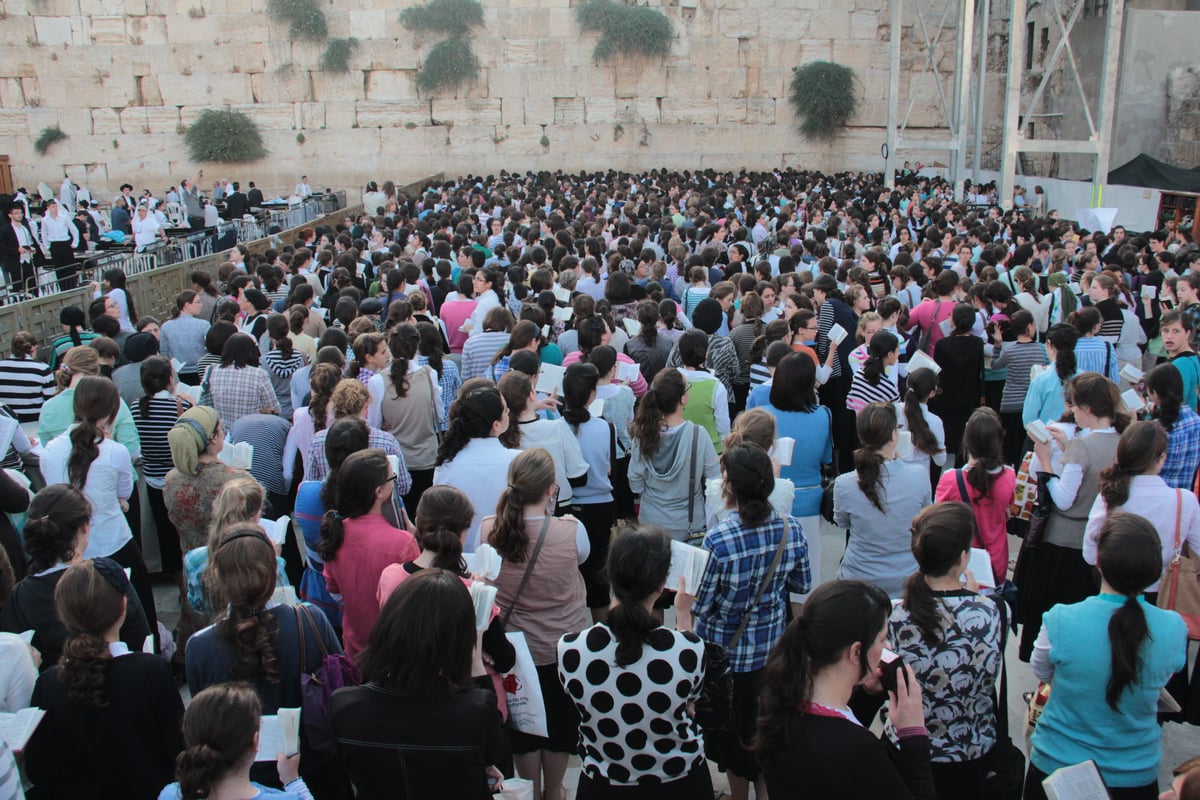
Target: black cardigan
pixel 126 749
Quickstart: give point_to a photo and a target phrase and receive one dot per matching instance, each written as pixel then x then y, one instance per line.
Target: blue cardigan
pixel 1078 724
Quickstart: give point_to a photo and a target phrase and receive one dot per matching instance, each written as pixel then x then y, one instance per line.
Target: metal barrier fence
pixel 173 251
pixel 155 277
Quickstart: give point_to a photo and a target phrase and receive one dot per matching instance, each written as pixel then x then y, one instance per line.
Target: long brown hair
pixel 876 423
pixel 529 477
pixel 983 440
pixel 322 380
pixel 941 534
pixel 243 567
pixel 89 606
pixel 515 387
pixel 921 385
pixel 219 726
pixel 1140 446
pixel 359 478
pixel 665 394
pixel 96 400
pixel 443 515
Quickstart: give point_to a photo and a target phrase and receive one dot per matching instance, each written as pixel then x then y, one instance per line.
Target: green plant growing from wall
pixel 224 136
pixel 305 18
pixel 447 64
pixel 48 138
pixel 451 17
pixel 451 61
pixel 824 98
pixel 336 57
pixel 636 30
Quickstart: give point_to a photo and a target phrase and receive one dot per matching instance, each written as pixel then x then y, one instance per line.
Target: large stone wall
pixel 123 78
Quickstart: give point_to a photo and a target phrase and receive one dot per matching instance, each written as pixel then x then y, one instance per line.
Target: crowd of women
pixel 566 389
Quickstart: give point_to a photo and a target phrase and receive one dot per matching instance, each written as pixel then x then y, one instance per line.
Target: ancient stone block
pixel 229 89
pixel 467 112
pixel 105 121
pixel 370 114
pixel 512 110
pixel 389 53
pixel 539 110
pixel 105 30
pixel 271 116
pixel 53 31
pixel 367 24
pixel 732 111
pixel 761 111
pixel 335 86
pixel 186 29
pixel 183 90
pixel 146 30
pixel 388 85
pixel 312 115
pixel 521 52
pixel 739 23
pixel 568 111
pixel 281 86
pixel 340 116
pixel 688 111
pixel 11 93
pixel 600 110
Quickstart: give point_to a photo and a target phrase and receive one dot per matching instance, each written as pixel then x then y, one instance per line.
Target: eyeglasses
pixel 391 479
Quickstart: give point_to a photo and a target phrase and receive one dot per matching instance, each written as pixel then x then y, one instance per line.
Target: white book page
pixel 563 314
pixel 921 360
pixel 1076 782
pixel 483 597
pixel 279 733
pixel 837 333
pixel 17 728
pixel 687 562
pixel 562 294
pixel 276 529
pixel 628 373
pixel 1038 431
pixel 980 566
pixel 484 562
pixel 550 379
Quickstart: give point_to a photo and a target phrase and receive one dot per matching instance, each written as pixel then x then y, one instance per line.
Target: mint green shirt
pixel 58 414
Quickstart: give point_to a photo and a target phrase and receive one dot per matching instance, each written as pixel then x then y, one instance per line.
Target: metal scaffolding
pixel 1099 123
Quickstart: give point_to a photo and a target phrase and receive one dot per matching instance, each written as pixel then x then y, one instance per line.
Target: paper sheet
pixel 904 445
pixel 279 733
pixel 628 373
pixel 562 295
pixel 239 455
pixel 782 452
pixel 980 566
pixel 837 333
pixel 596 409
pixel 550 379
pixel 192 393
pixel 1133 401
pixel 632 326
pixel 1131 373
pixel 689 563
pixel 1038 431
pixel 920 360
pixel 16 729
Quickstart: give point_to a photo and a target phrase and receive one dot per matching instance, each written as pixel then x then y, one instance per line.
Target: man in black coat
pixel 18 247
pixel 254 196
pixel 236 204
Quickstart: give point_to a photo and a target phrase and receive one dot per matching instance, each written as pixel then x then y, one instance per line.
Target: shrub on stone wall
pixel 224 136
pixel 453 17
pixel 636 30
pixel 447 64
pixel 824 98
pixel 336 57
pixel 305 18
pixel 48 138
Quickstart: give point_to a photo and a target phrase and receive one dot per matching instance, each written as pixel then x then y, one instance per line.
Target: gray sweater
pixel 880 547
pixel 666 486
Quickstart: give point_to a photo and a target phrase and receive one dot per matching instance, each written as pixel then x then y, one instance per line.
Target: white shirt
pixel 483 304
pixel 58 229
pixel 17 673
pixel 303 190
pixel 145 229
pixel 1150 497
pixel 24 239
pixel 109 479
pixel 481 470
pixel 1065 488
pixel 556 437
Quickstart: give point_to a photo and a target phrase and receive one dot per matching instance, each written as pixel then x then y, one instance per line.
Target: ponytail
pixel 921 385
pixel 1140 447
pixel 530 475
pixel 96 399
pixel 1127 629
pixel 278 329
pixel 665 394
pixel 882 345
pixel 218 730
pixel 1063 337
pixel 478 407
pixel 631 625
pixel 876 423
pixel 404 342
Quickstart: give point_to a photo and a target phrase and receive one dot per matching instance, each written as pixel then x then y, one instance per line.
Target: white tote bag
pixel 526 708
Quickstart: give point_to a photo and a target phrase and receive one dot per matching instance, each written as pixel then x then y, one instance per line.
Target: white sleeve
pixel 1042 666
pixel 1095 522
pixel 721 409
pixel 375 405
pixel 575 465
pixel 582 543
pixel 439 403
pixel 1190 532
pixel 823 374
pixel 1065 488
pixel 20 673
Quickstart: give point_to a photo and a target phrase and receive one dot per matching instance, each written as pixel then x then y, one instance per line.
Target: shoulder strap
pixel 762 587
pixel 537 548
pixel 612 444
pixel 692 476
pixel 302 611
pixel 1178 519
pixel 962 486
pixel 433 395
pixel 1001 709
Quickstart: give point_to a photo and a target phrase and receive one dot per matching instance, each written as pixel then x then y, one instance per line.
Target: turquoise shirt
pixel 1044 400
pixel 58 414
pixel 1188 365
pixel 1078 724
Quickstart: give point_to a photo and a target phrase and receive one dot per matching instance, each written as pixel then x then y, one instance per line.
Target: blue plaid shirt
pixel 450 381
pixel 740 559
pixel 1183 450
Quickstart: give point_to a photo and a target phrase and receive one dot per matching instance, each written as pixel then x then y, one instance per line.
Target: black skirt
pixel 1048 575
pixel 562 719
pixel 729 748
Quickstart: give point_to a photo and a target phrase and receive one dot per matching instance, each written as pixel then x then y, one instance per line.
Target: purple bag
pixel 316 688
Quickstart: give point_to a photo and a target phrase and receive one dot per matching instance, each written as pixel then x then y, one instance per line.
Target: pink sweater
pixel 991 514
pixel 639 387
pixel 923 317
pixel 371 544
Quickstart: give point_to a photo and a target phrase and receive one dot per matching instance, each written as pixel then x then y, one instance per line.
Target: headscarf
pixel 191 436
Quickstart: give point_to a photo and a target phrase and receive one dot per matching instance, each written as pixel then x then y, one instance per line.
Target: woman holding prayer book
pixel 952 639
pixel 257 641
pixel 758 558
pixel 542 591
pixel 221 732
pixel 111 727
pixel 634 680
pixel 1103 706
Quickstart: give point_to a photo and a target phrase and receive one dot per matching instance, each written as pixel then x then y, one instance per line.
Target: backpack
pixel 317 687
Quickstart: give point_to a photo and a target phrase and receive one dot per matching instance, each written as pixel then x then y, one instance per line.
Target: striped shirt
pixel 478 353
pixel 60 346
pixel 267 434
pixel 10 778
pixel 862 393
pixel 164 410
pixel 24 385
pixel 1018 358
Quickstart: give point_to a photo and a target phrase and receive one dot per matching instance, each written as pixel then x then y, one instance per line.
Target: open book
pixel 628 373
pixel 277 529
pixel 920 360
pixel 1133 401
pixel 689 563
pixel 239 455
pixel 632 326
pixel 279 733
pixel 782 452
pixel 550 380
pixel 8 429
pixel 16 729
pixel 837 334
pixel 483 597
pixel 563 314
pixel 980 566
pixel 562 294
pixel 484 562
pixel 1076 782
pixel 1038 431
pixel 904 446
pixel 192 393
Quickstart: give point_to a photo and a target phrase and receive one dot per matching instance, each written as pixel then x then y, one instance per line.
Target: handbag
pixel 318 686
pixel 1040 515
pixel 523 692
pixel 1180 588
pixel 927 333
pixel 1024 498
pixel 714 706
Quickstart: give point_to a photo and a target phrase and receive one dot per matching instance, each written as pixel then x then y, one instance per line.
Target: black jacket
pixel 255 197
pixel 10 248
pixel 236 205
